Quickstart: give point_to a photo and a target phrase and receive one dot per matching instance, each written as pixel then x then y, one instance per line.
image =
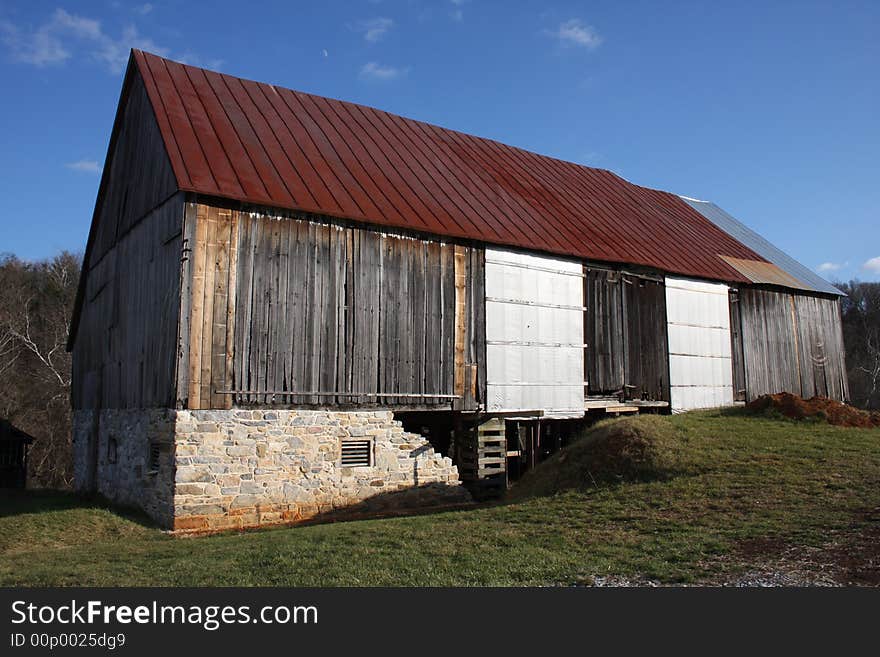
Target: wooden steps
pixel 482 458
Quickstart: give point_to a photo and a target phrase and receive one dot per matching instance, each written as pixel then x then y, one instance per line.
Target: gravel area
pixel 848 558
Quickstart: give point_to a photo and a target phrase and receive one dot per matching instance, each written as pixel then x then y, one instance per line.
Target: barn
pixel 293 307
pixel 14 445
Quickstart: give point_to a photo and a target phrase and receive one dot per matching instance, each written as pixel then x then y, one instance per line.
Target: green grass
pixel 737 477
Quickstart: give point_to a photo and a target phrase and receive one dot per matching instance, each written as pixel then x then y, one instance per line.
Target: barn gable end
pixel 124 326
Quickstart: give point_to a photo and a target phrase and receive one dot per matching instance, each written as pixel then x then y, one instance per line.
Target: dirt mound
pixel 830 410
pixel 628 449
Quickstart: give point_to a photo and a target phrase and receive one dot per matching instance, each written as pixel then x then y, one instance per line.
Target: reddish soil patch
pixel 834 412
pixel 850 558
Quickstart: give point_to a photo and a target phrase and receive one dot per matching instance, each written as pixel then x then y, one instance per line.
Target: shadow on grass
pixel 15 502
pixel 425 500
pixel 422 500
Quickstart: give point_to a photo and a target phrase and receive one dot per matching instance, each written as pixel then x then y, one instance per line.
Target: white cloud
pixel 324 53
pixel 826 267
pixel 65 35
pixel 193 59
pixel 457 14
pixel 39 47
pixel 574 32
pixel 376 71
pixel 114 52
pixel 872 265
pixel 85 166
pixel 374 29
pixel 144 9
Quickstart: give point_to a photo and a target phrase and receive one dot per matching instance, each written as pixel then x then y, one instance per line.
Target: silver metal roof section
pixel 762 247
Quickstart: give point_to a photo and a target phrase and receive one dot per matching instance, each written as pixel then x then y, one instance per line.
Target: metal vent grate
pixel 356 453
pixel 153 465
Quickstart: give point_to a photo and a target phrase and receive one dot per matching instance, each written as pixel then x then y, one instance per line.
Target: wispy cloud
pixel 43 45
pixel 114 52
pixel 828 267
pixel 872 265
pixel 84 166
pixel 383 72
pixel 457 14
pixel 65 35
pixel 374 29
pixel 575 32
pixel 194 59
pixel 143 9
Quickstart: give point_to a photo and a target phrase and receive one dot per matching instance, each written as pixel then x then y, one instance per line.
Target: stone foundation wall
pixel 244 468
pixel 124 472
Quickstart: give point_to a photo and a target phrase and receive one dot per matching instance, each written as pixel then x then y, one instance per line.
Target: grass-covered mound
pixel 641 448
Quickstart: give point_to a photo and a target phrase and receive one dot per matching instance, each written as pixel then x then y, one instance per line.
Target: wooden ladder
pixel 482 459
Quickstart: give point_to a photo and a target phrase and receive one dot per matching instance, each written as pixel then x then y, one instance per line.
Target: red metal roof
pixel 271 146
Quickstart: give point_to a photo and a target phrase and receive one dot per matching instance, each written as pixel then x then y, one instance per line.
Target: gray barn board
pixel 124 330
pixel 293 311
pixel 625 334
pixel 791 343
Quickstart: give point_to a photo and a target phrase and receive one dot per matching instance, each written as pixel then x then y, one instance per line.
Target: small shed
pixel 14 445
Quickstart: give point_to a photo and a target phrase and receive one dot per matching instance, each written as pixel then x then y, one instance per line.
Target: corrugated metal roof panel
pixel 809 279
pixel 262 144
pixel 765 272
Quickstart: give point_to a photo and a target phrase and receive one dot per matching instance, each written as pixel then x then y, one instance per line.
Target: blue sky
pixel 769 109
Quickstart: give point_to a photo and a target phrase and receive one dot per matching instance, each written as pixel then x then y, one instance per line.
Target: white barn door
pixel 534 334
pixel 700 362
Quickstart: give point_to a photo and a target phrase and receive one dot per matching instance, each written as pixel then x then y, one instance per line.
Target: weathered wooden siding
pixel 124 330
pixel 792 343
pixel 822 352
pixel 138 175
pixel 647 359
pixel 295 312
pixel 736 345
pixel 124 355
pixel 625 334
pixel 604 332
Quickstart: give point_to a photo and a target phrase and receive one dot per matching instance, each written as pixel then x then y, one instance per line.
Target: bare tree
pixel 861 334
pixel 36 301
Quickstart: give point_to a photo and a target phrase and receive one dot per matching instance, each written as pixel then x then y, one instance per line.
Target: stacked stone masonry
pixel 244 468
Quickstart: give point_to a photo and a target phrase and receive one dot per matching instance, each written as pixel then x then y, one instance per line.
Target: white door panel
pixel 534 334
pixel 700 363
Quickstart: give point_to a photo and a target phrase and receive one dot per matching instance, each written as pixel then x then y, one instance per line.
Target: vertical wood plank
pixel 215 309
pixel 232 290
pixel 460 278
pixel 197 325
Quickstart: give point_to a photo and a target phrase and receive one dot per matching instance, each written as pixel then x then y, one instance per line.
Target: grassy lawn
pixel 739 478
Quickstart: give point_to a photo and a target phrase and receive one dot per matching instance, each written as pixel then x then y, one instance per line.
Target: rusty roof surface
pixel 765 272
pixel 266 145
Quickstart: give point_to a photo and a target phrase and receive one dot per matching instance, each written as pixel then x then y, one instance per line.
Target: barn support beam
pixel 207 325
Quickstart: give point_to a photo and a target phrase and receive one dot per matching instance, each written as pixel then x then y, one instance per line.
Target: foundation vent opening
pixel 357 453
pixel 153 464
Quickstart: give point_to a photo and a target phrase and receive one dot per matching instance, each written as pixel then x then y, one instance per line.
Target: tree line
pixel 36 304
pixel 860 309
